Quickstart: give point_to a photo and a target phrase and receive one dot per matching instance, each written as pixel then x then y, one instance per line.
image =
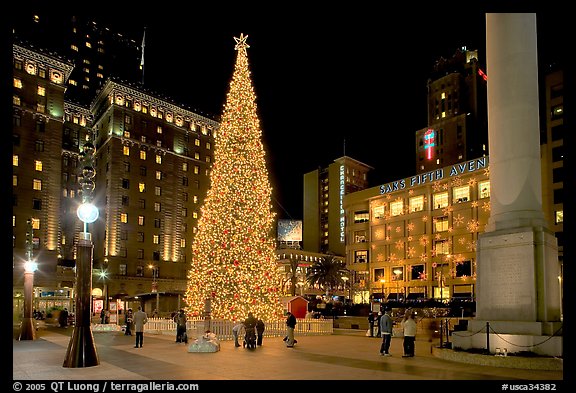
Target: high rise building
pixel 152 174
pixel 552 153
pixel 324 190
pixel 457 128
pixel 38 116
pixel 96 51
pixel 153 159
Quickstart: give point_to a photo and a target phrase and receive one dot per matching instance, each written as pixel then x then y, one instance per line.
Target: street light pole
pixel 27 329
pixel 81 350
pixel 155 285
pixel 397 273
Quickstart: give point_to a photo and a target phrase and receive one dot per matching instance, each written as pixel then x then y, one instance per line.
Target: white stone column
pixel 513 121
pixel 517 256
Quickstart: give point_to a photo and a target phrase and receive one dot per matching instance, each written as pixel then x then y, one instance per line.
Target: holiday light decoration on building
pixel 233 260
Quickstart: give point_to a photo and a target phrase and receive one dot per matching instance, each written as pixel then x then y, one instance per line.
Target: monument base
pixel 541 338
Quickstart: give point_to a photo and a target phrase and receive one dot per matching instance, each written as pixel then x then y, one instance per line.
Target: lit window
pixel 156 239
pixel 378 212
pixel 204 130
pixel 208 159
pixel 361 256
pixel 157 207
pixel 65 193
pixel 440 200
pixel 197 142
pixel 141 187
pixel 88 45
pixel 185 166
pixel 126 150
pixel 417 203
pixel 361 216
pixel 440 224
pixel 360 236
pixel 14 180
pixel 442 247
pixel 157 191
pixel 182 243
pixel 195 199
pixel 484 187
pixel 196 169
pixel 144 109
pixel 86 61
pixel 38 165
pixel 87 79
pixel 160 114
pixel 99 75
pixel 208 145
pixel 141 220
pixel 142 154
pixel 159 129
pixel 559 216
pixel 197 155
pixel 100 67
pixel 159 143
pixel 74 47
pixel 86 70
pixel 15 159
pixel 17 83
pixel 158 159
pixel 443 96
pixel 72 193
pixel 31 68
pixel 13 221
pixel 37 184
pixel 195 215
pixel 396 208
pixel 16 100
pixel 158 175
pixel 124 217
pixel 35 223
pixel 461 194
pixel 127 135
pixel 443 114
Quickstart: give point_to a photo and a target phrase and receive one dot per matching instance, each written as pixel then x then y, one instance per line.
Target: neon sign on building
pixel 342 218
pixel 429 143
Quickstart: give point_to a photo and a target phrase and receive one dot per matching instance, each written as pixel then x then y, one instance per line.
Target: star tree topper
pixel 241 43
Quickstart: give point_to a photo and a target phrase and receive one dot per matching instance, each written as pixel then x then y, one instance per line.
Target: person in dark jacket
pixel 290 325
pixel 386 329
pixel 371 324
pixel 259 331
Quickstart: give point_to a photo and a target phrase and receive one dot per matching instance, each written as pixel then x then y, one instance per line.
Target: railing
pixel 223 329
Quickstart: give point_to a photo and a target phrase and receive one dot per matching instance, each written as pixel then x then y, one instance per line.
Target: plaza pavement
pixel 345 355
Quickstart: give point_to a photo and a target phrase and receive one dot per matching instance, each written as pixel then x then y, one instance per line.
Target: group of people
pixel 253 331
pixel 408 327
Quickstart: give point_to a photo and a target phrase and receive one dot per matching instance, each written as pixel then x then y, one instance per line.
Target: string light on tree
pixel 233 260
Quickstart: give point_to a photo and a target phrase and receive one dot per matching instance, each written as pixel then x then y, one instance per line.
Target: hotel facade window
pixel 378 212
pixel 484 189
pixel 396 208
pixel 417 203
pixel 440 200
pixel 461 194
pixel 361 256
pixel 361 216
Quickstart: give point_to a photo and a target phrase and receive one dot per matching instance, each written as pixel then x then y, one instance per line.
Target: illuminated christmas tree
pixel 233 260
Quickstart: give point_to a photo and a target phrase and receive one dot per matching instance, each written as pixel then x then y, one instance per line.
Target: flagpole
pixel 142 59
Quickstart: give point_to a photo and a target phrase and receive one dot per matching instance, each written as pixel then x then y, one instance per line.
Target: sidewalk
pixel 345 355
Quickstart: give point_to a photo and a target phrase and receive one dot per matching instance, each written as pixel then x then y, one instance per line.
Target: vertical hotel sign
pixel 341 204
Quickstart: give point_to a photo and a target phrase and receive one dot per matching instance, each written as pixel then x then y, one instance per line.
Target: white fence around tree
pixel 223 329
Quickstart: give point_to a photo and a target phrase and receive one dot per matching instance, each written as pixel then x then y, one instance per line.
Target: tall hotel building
pixel 152 163
pixel 457 128
pixel 324 190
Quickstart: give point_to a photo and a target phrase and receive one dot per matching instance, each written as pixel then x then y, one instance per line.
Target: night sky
pixel 322 76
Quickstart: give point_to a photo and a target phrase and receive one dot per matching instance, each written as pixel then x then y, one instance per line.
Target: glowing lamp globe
pixel 87 212
pixel 30 266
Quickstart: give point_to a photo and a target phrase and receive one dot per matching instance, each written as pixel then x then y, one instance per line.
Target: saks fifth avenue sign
pixel 438 174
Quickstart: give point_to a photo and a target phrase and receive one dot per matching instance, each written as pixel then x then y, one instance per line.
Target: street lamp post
pixel 81 348
pixel 27 329
pixel 397 273
pixel 155 285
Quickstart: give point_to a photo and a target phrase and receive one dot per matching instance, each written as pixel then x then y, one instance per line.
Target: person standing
pixel 103 316
pixel 377 323
pixel 140 319
pixel 386 331
pixel 371 323
pixel 290 324
pixel 259 331
pixel 409 328
pixel 129 320
pixel 236 332
pixel 180 319
pixel 63 318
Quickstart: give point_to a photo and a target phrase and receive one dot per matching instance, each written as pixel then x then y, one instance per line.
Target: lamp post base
pixel 27 329
pixel 81 349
